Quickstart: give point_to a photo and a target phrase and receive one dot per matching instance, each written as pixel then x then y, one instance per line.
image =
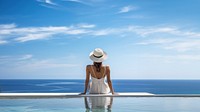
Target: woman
pixel 98 73
pixel 98 104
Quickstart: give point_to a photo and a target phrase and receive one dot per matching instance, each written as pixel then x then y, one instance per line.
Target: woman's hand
pixel 115 93
pixel 82 93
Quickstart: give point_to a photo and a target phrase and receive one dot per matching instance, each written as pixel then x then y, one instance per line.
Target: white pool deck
pixel 70 95
pixel 76 95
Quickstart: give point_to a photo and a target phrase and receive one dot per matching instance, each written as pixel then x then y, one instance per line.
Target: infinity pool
pixel 102 104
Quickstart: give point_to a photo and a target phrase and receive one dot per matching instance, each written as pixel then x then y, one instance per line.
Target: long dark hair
pixel 98 66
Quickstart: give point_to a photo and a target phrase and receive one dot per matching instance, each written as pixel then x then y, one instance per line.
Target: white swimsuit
pixel 99 86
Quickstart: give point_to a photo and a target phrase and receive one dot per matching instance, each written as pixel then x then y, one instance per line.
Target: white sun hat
pixel 98 55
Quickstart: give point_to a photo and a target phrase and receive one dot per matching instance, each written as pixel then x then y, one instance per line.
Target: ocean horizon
pixel 155 86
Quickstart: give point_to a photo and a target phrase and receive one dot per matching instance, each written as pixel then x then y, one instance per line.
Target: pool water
pixel 102 104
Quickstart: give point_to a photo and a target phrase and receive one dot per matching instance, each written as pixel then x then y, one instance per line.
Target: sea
pixel 77 86
pixel 100 104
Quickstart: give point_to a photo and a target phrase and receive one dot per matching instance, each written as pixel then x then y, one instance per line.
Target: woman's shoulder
pixel 107 66
pixel 89 66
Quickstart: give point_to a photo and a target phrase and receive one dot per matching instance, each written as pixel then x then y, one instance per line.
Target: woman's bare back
pixel 95 74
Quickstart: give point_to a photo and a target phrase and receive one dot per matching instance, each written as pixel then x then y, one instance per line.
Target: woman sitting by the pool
pixel 98 73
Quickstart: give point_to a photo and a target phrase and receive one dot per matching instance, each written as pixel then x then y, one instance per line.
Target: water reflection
pixel 98 104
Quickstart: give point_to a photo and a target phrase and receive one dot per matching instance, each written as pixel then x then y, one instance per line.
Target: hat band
pixel 97 56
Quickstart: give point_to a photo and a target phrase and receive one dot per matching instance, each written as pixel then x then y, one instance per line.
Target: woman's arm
pixel 87 79
pixel 109 79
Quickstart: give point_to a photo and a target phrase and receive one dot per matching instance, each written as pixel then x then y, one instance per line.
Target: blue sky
pixel 144 39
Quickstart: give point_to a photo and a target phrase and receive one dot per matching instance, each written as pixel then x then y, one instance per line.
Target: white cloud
pixel 27 66
pixel 173 58
pixel 26 57
pixel 78 1
pixel 28 63
pixel 76 31
pixel 103 32
pixel 180 45
pixel 156 41
pixel 135 17
pixel 139 30
pixel 53 4
pixel 30 37
pixel 35 65
pixel 24 34
pixel 86 2
pixel 7 26
pixel 49 2
pixel 3 42
pixel 169 38
pixel 166 37
pixel 172 38
pixel 127 9
pixel 27 30
pixel 147 31
pixel 85 25
pixel 12 60
pixel 186 45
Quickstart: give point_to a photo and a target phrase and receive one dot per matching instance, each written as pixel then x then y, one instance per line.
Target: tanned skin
pixel 97 75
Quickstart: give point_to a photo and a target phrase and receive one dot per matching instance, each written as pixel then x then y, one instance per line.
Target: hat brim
pixel 103 58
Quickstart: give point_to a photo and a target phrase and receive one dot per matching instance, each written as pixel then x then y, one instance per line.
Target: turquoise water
pixel 117 104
